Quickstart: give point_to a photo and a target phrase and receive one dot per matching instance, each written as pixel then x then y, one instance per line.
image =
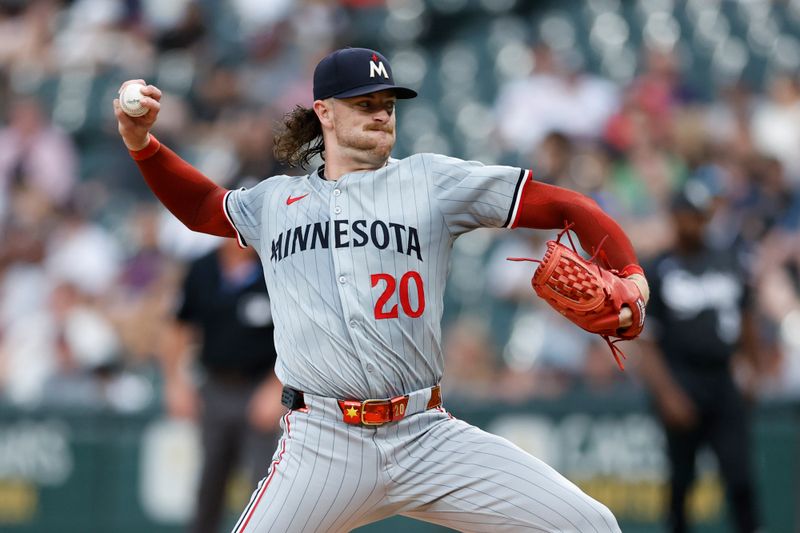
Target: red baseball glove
pixel 588 294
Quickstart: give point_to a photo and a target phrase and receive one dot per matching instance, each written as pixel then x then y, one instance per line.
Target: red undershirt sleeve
pixel 544 206
pixel 193 198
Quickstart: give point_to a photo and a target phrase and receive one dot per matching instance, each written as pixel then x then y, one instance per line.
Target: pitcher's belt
pixel 372 412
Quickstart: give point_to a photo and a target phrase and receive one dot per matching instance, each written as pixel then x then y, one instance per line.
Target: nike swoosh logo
pixel 291 200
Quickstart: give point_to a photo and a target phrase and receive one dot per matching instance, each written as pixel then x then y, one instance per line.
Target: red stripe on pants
pixel 273 469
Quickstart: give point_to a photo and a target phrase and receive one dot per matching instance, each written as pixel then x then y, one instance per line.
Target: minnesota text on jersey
pixel 403 239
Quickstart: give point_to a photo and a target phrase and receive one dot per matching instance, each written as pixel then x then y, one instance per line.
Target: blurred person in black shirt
pixel 698 320
pixel 225 317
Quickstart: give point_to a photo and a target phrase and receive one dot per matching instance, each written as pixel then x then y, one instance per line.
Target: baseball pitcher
pixel 355 256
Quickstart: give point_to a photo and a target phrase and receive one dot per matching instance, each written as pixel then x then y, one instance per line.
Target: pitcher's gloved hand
pixel 589 295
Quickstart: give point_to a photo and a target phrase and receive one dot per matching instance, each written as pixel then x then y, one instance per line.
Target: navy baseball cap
pixel 353 72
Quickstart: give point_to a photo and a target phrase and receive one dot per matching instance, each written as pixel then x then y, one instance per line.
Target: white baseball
pixel 130 100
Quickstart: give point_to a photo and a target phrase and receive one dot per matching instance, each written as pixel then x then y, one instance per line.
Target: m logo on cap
pixel 376 67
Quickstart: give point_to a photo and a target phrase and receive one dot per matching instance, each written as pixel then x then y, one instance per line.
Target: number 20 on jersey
pixel 403 290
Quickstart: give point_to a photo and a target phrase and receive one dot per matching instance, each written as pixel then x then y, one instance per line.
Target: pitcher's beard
pixel 370 149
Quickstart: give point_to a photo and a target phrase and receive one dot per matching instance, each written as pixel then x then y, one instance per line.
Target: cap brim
pixel 401 92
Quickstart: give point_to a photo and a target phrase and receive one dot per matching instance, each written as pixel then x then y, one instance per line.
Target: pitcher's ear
pixel 324 111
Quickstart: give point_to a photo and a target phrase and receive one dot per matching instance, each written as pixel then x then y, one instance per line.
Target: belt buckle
pixel 365 403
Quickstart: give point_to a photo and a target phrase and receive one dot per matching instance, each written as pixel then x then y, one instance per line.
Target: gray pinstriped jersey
pixel 356 268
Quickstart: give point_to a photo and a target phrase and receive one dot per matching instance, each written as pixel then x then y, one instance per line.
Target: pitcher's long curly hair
pixel 298 138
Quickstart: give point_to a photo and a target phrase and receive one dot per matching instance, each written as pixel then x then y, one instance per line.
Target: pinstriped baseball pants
pixel 327 476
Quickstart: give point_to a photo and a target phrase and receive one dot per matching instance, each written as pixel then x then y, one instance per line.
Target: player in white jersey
pixel 355 256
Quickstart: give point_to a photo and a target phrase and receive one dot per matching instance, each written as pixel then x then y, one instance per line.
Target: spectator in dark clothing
pixel 226 309
pixel 698 320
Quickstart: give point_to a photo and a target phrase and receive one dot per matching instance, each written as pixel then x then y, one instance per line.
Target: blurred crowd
pixel 89 261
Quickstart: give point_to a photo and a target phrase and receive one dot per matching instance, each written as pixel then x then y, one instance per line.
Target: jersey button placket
pixel 337 209
pixel 339 257
pixel 344 265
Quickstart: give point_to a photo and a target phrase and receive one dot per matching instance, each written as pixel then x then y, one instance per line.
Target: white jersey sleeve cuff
pixel 239 238
pixel 513 214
